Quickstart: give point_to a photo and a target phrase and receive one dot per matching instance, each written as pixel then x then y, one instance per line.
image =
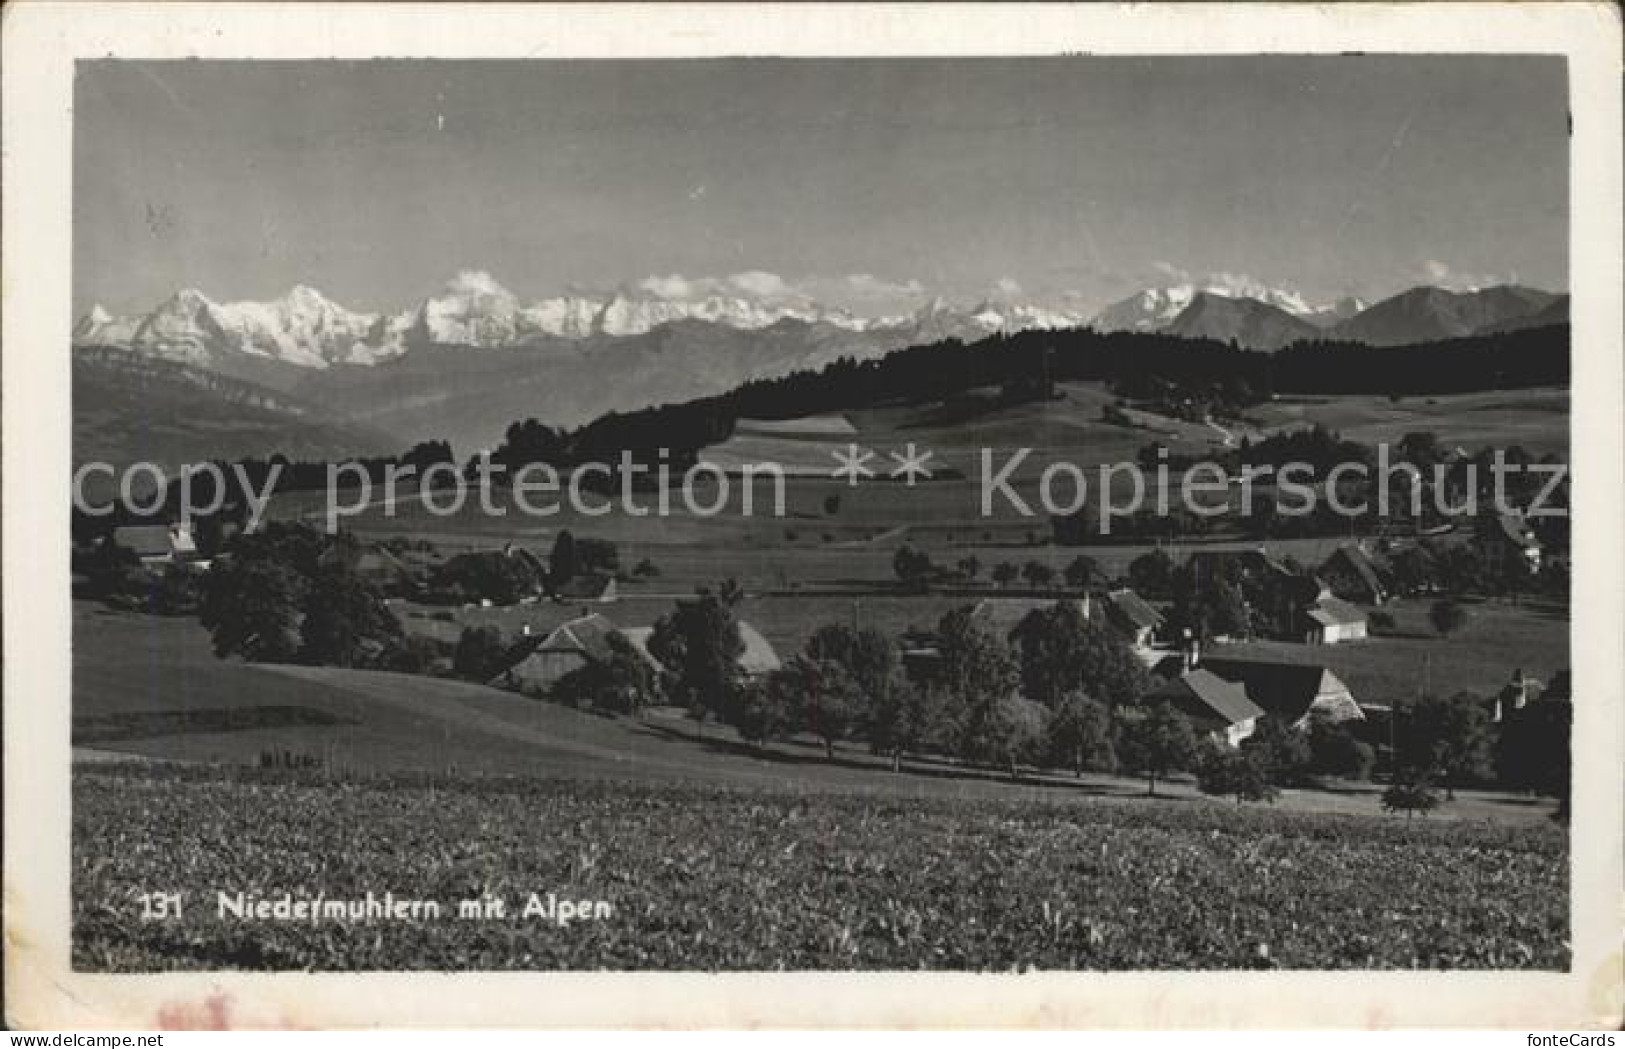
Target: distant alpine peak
pixel 1154 308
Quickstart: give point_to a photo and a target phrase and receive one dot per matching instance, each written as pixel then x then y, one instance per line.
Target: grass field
pixel 1537 419
pixel 723 879
pixel 1497 639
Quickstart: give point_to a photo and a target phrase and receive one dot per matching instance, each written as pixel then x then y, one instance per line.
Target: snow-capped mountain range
pixel 306 328
pixel 1155 309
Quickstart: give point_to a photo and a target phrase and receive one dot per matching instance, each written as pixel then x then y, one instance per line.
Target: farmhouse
pixel 160 544
pixel 1352 574
pixel 758 659
pixel 1292 692
pixel 1330 620
pixel 569 647
pixel 1215 706
pixel 1133 616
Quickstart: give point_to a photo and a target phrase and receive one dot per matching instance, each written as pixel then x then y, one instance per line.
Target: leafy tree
pixel 298 546
pixel 867 655
pixel 411 654
pixel 699 643
pixel 761 712
pixel 621 683
pixel 1156 740
pixel 970 566
pixel 1005 573
pixel 1236 774
pixel 1083 572
pixel 1414 569
pixel 1014 732
pixel 1080 734
pixel 1382 622
pixel 427 454
pixel 1037 574
pixel 1410 795
pixel 1450 737
pixel 346 622
pixel 1210 603
pixel 976 669
pixel 827 701
pixel 903 718
pixel 564 562
pixel 111 569
pixel 290 592
pixel 481 653
pixel 253 608
pixel 1281 752
pixel 1447 617
pixel 912 567
pixel 489 575
pixel 1336 751
pixel 1533 751
pixel 646 569
pixel 1061 651
pixel 1152 574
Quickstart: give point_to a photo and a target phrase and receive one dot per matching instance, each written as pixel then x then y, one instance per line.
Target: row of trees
pixel 917 572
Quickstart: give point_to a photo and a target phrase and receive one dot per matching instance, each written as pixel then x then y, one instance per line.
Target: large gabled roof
pixel 1133 609
pixel 1332 611
pixel 1286 690
pixel 1360 562
pixel 1207 691
pixel 758 656
pixel 587 634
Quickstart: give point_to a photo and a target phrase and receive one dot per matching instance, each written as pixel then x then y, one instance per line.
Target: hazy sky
pixel 864 181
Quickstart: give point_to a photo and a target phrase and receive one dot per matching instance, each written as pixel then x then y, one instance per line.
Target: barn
pixel 1354 575
pixel 758 658
pixel 160 544
pixel 1331 619
pixel 569 647
pixel 1295 693
pixel 1133 617
pixel 1214 706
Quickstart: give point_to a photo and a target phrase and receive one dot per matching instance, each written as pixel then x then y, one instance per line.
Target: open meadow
pixel 712 878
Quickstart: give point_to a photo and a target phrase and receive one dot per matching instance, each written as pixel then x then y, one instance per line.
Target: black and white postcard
pixel 606 515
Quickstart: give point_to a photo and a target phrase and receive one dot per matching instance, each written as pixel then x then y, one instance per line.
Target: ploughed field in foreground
pixel 729 879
